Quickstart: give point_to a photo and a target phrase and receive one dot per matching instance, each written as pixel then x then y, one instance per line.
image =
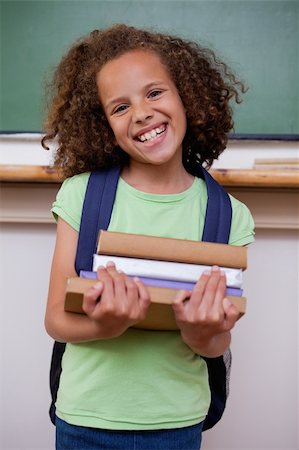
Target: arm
pixel 204 316
pixel 109 320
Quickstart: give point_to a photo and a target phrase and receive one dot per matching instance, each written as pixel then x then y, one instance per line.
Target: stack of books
pixel 165 265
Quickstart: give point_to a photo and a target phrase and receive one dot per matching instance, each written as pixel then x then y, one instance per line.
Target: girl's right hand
pixel 123 301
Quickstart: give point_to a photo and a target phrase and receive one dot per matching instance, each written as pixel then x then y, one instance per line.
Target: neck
pixel 157 179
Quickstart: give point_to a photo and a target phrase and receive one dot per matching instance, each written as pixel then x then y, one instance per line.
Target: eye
pixel 120 109
pixel 155 93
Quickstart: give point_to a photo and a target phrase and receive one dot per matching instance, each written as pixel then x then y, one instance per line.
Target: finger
pixel 200 287
pixel 91 298
pixel 104 276
pixel 118 276
pixel 113 272
pixel 143 293
pixel 179 303
pixel 111 268
pixel 102 273
pixel 122 303
pixel 131 288
pixel 231 313
pixel 220 291
pixel 120 291
pixel 181 296
pixel 211 287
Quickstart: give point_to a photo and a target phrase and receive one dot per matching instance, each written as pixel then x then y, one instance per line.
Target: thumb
pixel 91 297
pixel 231 313
pixel 179 299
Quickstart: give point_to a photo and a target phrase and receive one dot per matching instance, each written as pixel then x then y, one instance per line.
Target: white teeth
pixel 152 134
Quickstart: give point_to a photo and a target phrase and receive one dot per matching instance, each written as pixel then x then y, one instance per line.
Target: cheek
pixel 121 128
pixel 119 134
pixel 113 127
pixel 182 118
pixel 115 124
pixel 178 107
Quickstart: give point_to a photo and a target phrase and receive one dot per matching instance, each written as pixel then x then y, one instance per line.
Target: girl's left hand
pixel 204 316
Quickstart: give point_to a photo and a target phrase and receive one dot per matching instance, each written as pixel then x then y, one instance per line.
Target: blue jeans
pixel 72 437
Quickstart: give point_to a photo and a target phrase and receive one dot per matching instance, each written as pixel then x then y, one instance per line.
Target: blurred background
pixel 259 40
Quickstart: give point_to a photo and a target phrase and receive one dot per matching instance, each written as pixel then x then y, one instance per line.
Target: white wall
pixel 25 348
pixel 262 410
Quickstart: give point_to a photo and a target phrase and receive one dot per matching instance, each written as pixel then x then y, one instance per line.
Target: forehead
pixel 135 66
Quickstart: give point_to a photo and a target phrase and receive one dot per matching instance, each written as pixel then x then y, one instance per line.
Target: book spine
pixel 166 283
pixel 165 270
pixel 168 249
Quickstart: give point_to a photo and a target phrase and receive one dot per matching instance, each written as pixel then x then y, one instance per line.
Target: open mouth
pixel 152 134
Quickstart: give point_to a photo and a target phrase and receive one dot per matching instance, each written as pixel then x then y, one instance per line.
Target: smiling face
pixel 143 108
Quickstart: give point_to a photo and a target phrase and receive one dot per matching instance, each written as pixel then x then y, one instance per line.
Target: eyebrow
pixel 148 86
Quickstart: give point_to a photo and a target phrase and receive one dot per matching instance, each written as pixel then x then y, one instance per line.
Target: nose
pixel 142 112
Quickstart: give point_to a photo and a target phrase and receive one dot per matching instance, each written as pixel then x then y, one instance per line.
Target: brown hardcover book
pixel 160 315
pixel 168 249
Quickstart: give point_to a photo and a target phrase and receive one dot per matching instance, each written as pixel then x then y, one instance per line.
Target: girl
pixel 157 106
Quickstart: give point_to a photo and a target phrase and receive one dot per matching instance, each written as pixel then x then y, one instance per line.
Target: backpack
pixel 96 213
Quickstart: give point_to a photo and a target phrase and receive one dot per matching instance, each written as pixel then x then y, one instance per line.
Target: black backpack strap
pixel 219 373
pixel 217 229
pixel 96 214
pixel 55 372
pixel 219 212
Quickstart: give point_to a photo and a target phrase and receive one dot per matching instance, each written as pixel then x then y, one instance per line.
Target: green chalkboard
pixel 259 39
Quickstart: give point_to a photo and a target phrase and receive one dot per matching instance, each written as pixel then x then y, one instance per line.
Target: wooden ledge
pixel 28 174
pixel 257 178
pixel 244 178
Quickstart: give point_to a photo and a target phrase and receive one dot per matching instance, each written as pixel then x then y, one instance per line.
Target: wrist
pixel 211 346
pixel 101 331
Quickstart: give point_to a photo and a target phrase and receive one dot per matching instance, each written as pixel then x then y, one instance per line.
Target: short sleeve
pixel 242 227
pixel 69 200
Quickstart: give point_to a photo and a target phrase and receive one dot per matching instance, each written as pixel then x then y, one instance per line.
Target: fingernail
pixel 215 268
pixel 110 264
pixel 207 272
pixel 98 285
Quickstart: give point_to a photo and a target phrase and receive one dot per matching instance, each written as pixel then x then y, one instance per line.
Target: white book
pixel 165 270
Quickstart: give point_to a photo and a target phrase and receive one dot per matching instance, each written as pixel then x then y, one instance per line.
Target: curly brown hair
pixel 76 118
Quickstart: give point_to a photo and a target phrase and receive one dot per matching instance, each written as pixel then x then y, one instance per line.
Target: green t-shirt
pixel 141 380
